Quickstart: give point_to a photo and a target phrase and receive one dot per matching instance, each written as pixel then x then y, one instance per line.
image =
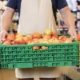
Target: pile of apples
pixel 78 37
pixel 48 37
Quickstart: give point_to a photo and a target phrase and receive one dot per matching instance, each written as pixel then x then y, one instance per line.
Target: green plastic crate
pixel 23 56
pixel 79 53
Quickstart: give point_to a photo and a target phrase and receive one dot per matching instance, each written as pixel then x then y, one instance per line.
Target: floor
pixel 10 74
pixel 7 75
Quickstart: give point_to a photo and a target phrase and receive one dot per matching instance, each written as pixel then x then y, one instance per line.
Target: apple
pixel 62 39
pixel 25 39
pixel 36 35
pixel 68 40
pixel 50 41
pixel 18 35
pixel 43 41
pixel 19 40
pixel 29 37
pixel 35 40
pixel 54 35
pixel 48 32
pixel 10 37
pixel 7 42
pixel 56 40
pixel 46 37
pixel 53 41
pixel 78 37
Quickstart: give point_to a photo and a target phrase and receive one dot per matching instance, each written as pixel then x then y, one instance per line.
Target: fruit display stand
pixel 23 56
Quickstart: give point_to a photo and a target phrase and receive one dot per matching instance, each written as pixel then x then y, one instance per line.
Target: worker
pixel 36 16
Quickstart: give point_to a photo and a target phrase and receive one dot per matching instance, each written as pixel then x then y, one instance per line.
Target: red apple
pixel 7 42
pixel 10 37
pixel 78 37
pixel 48 32
pixel 36 35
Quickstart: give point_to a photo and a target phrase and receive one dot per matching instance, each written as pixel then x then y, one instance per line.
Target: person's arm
pixel 7 18
pixel 6 22
pixel 69 20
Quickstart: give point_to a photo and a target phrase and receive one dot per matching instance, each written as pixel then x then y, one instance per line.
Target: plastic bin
pixel 23 56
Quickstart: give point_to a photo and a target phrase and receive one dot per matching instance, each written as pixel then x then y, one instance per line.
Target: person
pixel 36 15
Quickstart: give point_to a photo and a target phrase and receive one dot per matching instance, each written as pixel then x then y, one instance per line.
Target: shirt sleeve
pixel 61 4
pixel 12 4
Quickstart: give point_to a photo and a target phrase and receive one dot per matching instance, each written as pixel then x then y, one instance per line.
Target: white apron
pixel 36 16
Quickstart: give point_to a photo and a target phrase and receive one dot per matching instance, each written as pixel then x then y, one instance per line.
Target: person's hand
pixel 3 34
pixel 73 34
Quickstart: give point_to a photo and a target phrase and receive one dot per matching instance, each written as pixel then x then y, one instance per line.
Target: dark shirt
pixel 56 4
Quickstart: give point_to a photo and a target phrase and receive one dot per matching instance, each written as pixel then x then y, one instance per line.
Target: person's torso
pixel 19 5
pixel 36 16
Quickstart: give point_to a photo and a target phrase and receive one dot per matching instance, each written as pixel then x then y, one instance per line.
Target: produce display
pixel 48 37
pixel 46 49
pixel 78 37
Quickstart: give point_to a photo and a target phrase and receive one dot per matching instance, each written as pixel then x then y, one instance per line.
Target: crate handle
pixel 40 47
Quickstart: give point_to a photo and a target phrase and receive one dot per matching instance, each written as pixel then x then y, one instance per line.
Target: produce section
pixel 48 37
